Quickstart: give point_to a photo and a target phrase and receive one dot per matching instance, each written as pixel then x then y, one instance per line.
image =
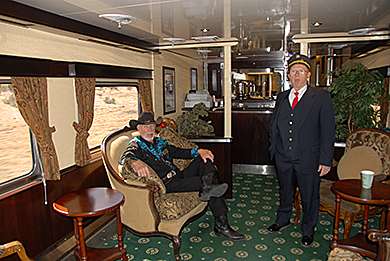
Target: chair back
pixel 112 148
pixel 138 201
pixel 376 139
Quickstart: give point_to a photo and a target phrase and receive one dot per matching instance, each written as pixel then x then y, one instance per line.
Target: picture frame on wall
pixel 167 19
pixel 194 79
pixel 169 90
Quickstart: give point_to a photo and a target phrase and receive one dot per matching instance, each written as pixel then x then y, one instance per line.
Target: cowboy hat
pixel 145 118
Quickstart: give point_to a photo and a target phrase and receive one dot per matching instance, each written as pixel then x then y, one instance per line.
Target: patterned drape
pixel 85 95
pixel 31 97
pixel 145 92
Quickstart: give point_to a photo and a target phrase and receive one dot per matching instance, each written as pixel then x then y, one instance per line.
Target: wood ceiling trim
pixel 21 66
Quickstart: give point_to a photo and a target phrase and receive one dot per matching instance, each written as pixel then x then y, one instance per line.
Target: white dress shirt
pixel 292 94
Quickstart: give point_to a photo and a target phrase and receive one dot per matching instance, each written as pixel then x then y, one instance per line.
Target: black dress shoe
pixel 274 228
pixel 307 241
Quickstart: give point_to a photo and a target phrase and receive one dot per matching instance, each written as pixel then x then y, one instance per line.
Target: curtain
pixel 85 95
pixel 31 97
pixel 145 92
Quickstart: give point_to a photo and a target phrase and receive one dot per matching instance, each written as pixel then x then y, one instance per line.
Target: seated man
pixel 201 175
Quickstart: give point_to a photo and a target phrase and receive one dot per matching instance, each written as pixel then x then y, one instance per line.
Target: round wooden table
pixel 351 189
pixel 92 202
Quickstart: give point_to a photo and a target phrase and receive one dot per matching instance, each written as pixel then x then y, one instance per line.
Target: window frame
pixel 113 83
pixel 33 177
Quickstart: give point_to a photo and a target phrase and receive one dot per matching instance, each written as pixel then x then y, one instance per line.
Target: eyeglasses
pixel 298 71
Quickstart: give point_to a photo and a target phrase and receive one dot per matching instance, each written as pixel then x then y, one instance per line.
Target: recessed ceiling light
pixel 119 18
pixel 316 24
pixel 205 30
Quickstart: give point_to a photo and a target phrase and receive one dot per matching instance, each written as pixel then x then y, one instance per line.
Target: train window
pixel 114 107
pixel 16 159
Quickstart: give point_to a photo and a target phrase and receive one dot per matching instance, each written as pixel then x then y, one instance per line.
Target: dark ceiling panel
pixel 26 13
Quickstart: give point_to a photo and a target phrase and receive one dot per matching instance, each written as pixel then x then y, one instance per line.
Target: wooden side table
pixel 351 189
pixel 92 202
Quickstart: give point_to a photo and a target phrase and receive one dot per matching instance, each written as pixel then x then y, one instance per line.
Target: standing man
pixel 302 132
pixel 201 175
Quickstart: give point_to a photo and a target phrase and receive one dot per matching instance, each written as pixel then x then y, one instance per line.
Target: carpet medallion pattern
pixel 252 209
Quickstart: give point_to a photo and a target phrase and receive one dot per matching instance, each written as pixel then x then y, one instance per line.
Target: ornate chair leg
pixel 176 247
pixel 297 205
pixel 383 220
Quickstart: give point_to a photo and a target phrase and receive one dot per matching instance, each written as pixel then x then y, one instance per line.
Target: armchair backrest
pixel 112 148
pixel 376 139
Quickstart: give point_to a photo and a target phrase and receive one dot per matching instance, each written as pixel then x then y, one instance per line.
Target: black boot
pixel 211 190
pixel 222 228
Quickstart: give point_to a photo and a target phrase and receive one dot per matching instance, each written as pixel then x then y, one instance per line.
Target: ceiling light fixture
pixel 119 18
pixel 174 40
pixel 203 51
pixel 316 24
pixel 205 38
pixel 361 31
pixel 205 30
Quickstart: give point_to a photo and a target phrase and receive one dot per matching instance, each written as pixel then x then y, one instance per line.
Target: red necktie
pixel 295 101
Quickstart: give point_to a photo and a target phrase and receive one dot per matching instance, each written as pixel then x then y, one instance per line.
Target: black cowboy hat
pixel 299 59
pixel 145 118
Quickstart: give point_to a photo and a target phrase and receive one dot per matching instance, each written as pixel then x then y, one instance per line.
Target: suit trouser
pixel 289 173
pixel 189 180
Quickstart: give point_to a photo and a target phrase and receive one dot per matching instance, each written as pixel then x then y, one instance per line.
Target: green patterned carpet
pixel 251 211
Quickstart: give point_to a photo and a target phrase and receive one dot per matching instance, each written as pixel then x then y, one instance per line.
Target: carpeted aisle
pixel 251 211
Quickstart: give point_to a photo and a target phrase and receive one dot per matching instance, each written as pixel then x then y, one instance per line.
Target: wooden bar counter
pixel 250 134
pixel 222 149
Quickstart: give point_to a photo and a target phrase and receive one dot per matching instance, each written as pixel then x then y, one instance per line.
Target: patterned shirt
pixel 158 154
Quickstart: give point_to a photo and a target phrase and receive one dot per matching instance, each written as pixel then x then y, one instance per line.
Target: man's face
pixel 147 131
pixel 299 75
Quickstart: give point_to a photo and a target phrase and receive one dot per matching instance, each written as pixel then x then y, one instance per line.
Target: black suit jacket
pixel 316 132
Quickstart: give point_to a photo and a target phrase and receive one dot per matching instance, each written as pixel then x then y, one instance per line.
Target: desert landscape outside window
pixel 114 107
pixel 16 157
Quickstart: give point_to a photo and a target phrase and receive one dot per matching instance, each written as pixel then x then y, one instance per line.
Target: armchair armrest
pixel 383 238
pixel 129 174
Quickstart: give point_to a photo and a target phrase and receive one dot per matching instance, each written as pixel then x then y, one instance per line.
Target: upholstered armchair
pixel 365 149
pixel 14 247
pixel 148 210
pixel 383 239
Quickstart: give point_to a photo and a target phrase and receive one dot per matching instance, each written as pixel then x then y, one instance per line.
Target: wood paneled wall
pixel 26 218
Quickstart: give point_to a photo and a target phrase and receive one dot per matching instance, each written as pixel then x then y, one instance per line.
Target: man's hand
pixel 141 168
pixel 323 170
pixel 206 154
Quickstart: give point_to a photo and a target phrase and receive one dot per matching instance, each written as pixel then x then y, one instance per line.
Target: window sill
pixel 19 186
